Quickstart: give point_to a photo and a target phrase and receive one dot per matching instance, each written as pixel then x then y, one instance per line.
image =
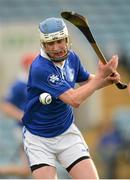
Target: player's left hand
pixel 113 78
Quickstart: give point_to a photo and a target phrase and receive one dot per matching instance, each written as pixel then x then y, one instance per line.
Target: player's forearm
pixel 75 97
pixel 83 92
pixel 11 110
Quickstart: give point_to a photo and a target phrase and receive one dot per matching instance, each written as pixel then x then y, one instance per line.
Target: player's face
pixel 56 49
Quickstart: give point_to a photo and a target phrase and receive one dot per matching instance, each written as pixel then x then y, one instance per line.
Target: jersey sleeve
pixel 16 94
pixel 49 80
pixel 12 93
pixel 83 74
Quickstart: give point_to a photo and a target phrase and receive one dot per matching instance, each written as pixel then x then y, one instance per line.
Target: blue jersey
pixel 55 118
pixel 17 95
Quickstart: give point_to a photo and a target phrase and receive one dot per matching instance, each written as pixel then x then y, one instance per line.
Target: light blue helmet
pixel 53 29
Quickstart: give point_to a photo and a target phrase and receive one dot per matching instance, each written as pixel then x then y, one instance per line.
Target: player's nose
pixel 55 46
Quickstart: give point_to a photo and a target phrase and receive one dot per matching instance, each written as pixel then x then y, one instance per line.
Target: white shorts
pixel 67 148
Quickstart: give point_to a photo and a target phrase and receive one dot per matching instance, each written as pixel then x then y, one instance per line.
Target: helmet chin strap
pixel 60 59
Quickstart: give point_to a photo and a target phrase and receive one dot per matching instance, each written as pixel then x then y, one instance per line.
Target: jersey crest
pixel 54 80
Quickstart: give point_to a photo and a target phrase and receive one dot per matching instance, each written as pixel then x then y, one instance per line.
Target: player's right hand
pixel 106 69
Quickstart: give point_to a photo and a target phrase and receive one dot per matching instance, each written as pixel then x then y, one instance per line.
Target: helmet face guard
pixel 49 37
pixel 53 29
pixel 59 59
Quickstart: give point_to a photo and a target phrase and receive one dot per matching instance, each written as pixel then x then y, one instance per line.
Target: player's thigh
pixel 73 148
pixel 46 172
pixel 38 151
pixel 84 169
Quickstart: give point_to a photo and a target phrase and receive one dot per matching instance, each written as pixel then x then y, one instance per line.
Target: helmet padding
pixel 53 29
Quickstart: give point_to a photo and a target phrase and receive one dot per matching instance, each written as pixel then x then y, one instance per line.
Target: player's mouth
pixel 58 53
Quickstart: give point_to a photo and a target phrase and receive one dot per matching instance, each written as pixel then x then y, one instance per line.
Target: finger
pixel 114 62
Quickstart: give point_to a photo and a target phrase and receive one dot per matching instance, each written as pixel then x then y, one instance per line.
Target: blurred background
pixel 104 118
